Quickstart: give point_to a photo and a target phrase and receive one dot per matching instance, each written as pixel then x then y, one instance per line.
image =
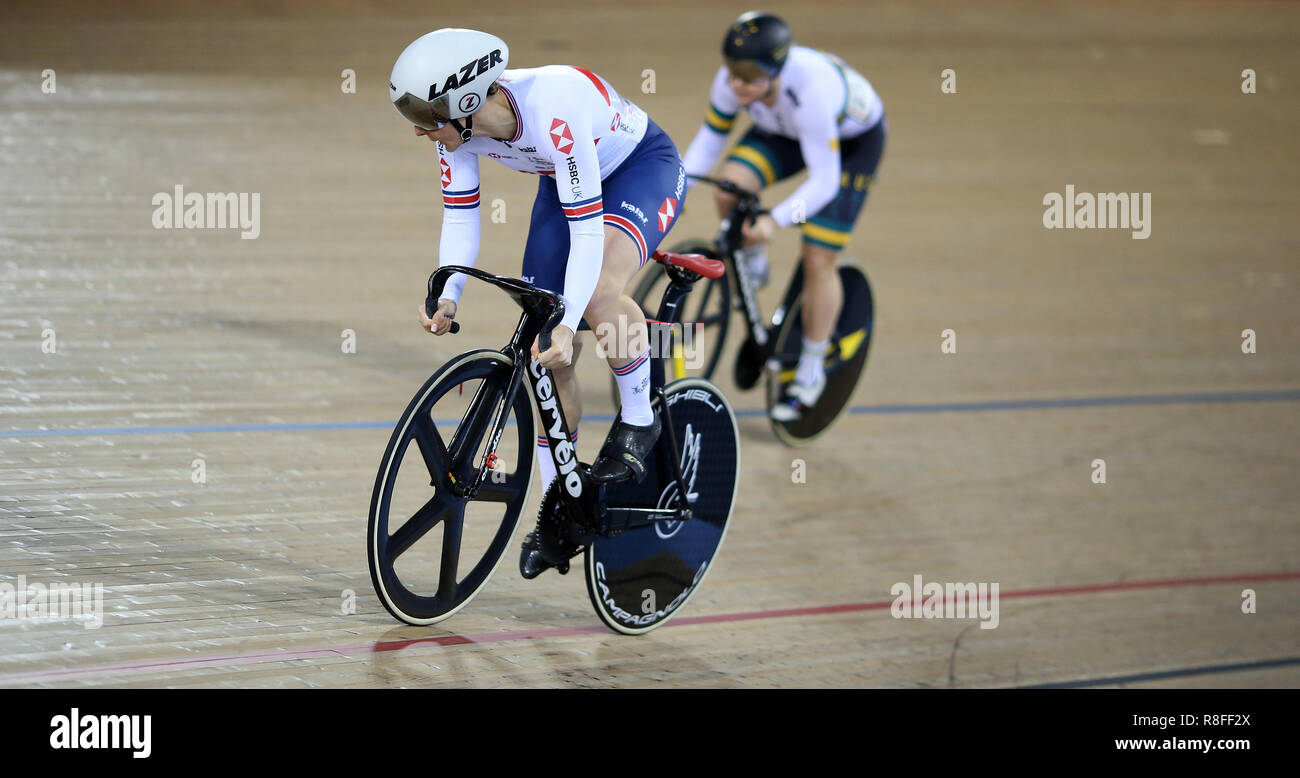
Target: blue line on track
pixel 1289 395
pixel 185 430
pixel 1157 676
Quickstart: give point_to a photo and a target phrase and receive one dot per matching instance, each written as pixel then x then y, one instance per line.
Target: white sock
pixel 812 362
pixel 755 258
pixel 546 464
pixel 634 391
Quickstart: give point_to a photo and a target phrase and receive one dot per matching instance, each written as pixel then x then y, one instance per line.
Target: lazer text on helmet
pixel 468 72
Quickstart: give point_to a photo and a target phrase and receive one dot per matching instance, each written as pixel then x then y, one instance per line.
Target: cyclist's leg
pixel 824 237
pixel 758 161
pixel 822 295
pixel 618 321
pixel 545 256
pixel 647 189
pixel 613 315
pixel 739 174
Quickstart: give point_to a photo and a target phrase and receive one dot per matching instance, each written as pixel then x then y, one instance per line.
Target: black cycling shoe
pixel 551 543
pixel 623 457
pixel 532 562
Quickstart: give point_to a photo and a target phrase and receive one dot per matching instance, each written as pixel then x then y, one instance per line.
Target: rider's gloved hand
pixel 441 321
pixel 560 354
pixel 761 231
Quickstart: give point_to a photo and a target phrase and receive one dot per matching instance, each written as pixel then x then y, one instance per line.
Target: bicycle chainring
pixel 561 536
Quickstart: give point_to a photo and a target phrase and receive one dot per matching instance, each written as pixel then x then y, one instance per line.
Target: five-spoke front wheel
pixel 430 548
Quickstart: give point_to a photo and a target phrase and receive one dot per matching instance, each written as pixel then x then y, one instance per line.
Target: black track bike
pixel 771 348
pixel 439 528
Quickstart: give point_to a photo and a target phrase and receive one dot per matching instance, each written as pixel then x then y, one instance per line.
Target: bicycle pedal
pixel 563 568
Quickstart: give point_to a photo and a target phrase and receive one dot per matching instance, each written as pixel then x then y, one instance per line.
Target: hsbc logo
pixel 560 136
pixel 470 71
pixel 667 212
pixel 446 172
pixel 575 183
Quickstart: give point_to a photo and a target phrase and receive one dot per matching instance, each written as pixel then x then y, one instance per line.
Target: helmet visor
pixel 430 116
pixel 747 70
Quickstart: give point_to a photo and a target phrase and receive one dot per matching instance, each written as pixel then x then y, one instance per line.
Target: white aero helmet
pixel 444 76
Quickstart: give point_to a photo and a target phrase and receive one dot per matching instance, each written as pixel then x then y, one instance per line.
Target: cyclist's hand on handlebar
pixel 560 354
pixel 760 231
pixel 441 321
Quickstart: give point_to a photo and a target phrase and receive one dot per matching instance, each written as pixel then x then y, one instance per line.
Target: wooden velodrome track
pixel 1072 345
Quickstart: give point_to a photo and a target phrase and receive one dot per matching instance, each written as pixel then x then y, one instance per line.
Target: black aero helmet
pixel 758 38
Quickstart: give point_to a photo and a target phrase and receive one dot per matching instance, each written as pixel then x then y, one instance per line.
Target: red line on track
pixel 45 676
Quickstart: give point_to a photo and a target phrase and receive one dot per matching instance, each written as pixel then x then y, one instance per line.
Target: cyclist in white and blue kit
pixel 811 110
pixel 610 184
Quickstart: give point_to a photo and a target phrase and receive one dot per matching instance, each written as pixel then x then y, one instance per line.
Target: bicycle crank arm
pixel 636 518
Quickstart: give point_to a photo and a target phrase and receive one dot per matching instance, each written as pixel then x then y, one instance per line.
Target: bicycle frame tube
pixel 556 429
pixel 791 292
pixel 729 241
pixel 668 315
pixel 554 423
pixel 683 508
pixel 538 316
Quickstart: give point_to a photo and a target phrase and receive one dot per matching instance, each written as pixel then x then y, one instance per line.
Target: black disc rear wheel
pixel 643 572
pixel 845 360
